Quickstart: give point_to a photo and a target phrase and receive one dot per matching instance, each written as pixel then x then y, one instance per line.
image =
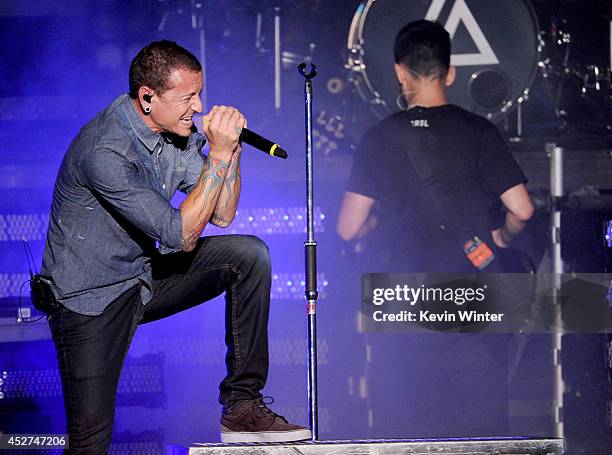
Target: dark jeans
pixel 91 349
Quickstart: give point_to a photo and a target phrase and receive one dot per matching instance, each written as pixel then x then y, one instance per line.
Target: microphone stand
pixel 311 259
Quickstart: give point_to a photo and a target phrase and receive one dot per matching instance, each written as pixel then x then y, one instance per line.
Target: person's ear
pixel 399 73
pixel 450 76
pixel 145 98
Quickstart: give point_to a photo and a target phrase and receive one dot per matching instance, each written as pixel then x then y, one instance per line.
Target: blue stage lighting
pixel 256 221
pixel 290 286
pixel 270 221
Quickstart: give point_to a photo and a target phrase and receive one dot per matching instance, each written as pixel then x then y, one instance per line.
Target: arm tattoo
pixel 231 181
pixel 211 179
pixel 213 172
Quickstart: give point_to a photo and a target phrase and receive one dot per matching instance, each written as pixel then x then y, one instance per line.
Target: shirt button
pixel 443 227
pixel 164 186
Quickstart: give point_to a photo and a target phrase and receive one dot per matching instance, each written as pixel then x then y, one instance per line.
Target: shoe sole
pixel 265 436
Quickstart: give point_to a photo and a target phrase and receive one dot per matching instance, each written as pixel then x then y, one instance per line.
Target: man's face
pixel 172 111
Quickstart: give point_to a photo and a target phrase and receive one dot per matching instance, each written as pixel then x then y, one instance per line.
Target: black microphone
pixel 261 143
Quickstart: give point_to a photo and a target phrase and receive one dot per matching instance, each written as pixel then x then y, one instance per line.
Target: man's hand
pixel 520 211
pixel 220 177
pixel 220 126
pixel 498 238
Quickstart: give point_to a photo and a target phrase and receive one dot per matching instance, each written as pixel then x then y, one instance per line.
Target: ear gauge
pixel 147 97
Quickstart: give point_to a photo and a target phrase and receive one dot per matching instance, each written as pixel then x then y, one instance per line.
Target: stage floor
pixel 479 446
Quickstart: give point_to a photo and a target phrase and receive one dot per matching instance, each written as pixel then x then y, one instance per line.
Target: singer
pixel 119 255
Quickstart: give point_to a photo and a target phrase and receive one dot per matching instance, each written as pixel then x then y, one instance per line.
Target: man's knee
pixel 254 249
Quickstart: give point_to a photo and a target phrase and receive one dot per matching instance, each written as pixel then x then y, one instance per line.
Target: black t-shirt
pixel 469 158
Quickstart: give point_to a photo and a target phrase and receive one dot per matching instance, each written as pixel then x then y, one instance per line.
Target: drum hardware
pixel 490 88
pixel 259 37
pixel 334 85
pixel 329 133
pixel 278 57
pixel 290 59
pixel 196 12
pixel 594 79
pixel 573 87
pixel 283 60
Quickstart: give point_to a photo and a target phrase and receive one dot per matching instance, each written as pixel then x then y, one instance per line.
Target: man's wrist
pixel 498 238
pixel 505 236
pixel 222 155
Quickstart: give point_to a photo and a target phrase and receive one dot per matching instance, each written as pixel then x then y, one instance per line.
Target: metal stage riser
pixel 383 447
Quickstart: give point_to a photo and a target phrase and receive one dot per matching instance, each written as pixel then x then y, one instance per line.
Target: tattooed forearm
pixel 230 193
pixel 231 186
pixel 211 178
pixel 197 209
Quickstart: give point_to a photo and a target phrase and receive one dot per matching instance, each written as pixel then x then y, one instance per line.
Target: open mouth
pixel 187 121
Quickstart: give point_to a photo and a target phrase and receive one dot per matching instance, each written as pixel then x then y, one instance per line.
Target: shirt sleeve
pixel 364 178
pixel 497 166
pixel 117 181
pixel 195 163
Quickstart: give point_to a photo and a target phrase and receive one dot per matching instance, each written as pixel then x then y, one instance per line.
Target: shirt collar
pixel 149 138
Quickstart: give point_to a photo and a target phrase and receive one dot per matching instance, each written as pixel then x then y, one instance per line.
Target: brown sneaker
pixel 253 421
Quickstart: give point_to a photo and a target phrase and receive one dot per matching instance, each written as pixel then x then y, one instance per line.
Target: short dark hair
pixel 423 47
pixel 154 64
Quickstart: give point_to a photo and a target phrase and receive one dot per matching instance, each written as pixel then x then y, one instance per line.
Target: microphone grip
pixel 261 143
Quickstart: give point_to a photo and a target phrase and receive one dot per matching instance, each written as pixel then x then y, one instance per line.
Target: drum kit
pixel 498 50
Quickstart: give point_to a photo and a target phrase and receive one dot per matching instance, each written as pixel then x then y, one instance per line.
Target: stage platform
pixel 477 446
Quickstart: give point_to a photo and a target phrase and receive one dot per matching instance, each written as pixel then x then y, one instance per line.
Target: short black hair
pixel 154 64
pixel 423 47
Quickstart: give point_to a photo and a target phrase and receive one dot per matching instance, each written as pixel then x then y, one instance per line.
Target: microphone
pixel 261 143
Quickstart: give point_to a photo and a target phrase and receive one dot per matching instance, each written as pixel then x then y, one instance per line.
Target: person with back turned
pixel 431 180
pixel 464 152
pixel 118 254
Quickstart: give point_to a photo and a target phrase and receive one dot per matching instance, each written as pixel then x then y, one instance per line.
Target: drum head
pixel 494 48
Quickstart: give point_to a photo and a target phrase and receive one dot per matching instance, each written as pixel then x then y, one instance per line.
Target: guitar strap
pixel 418 146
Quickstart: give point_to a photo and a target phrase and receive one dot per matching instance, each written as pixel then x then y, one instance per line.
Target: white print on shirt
pixel 419 123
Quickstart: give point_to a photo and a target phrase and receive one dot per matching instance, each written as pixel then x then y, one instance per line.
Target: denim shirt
pixel 111 207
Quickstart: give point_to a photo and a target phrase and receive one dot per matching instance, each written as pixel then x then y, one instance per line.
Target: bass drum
pixel 495 45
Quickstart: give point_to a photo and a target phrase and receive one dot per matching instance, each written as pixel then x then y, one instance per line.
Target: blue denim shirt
pixel 111 207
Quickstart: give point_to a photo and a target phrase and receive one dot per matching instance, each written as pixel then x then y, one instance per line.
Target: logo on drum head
pixel 460 12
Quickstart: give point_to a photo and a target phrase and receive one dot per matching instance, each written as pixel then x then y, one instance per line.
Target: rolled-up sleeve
pixel 195 162
pixel 117 181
